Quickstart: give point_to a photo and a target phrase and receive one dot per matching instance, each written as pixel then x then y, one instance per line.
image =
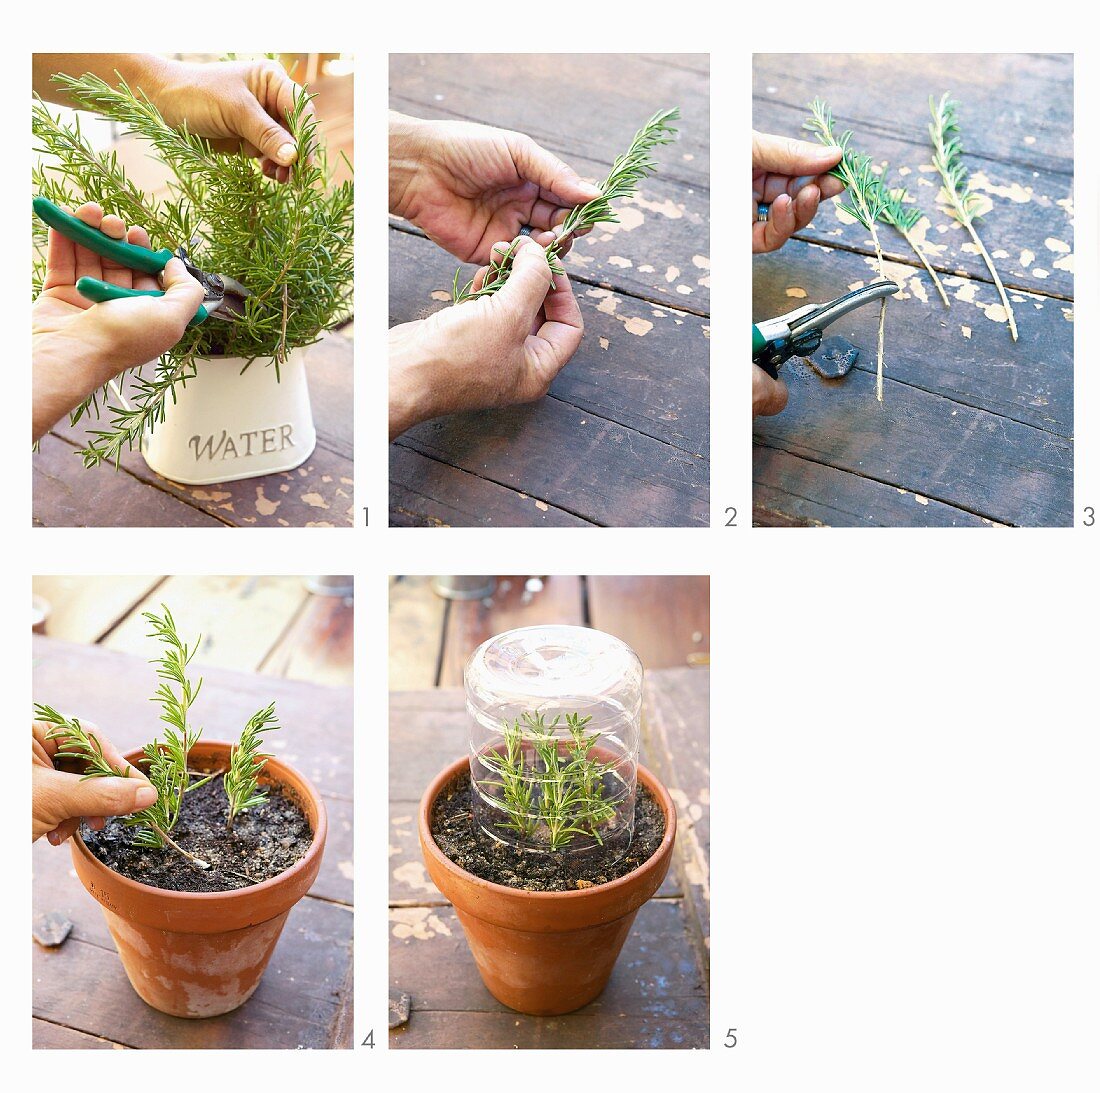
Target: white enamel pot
pixel 226 425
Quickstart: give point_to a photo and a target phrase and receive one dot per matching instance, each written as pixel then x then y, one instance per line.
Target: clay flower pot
pixel 545 953
pixel 198 954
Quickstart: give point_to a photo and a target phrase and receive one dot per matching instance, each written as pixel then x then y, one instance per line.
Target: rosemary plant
pixel 166 761
pixel 548 783
pixel 622 181
pixel 290 244
pixel 964 204
pixel 867 198
pixel 245 763
pixel 77 743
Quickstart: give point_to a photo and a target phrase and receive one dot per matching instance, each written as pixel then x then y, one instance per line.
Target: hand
pixel 469 186
pixel 236 105
pixel 791 177
pixel 60 800
pixel 77 346
pixel 768 396
pixel 494 351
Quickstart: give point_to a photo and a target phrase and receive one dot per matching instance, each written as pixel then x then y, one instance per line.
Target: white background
pixel 904 761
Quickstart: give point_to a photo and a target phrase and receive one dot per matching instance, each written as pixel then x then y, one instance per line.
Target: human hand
pixel 239 106
pixel 60 799
pixel 790 176
pixel 470 186
pixel 77 346
pixel 493 351
pixel 768 396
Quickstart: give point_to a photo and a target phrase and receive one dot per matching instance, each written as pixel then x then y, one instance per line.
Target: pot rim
pixel 652 862
pixel 236 895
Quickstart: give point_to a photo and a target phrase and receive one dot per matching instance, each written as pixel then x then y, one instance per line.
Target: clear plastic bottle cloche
pixel 554 734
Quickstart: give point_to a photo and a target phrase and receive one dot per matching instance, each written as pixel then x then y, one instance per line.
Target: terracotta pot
pixel 198 954
pixel 545 953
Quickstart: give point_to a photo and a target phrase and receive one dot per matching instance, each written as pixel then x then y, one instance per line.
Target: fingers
pixel 528 283
pixel 557 182
pixel 261 117
pixel 788 156
pixel 564 324
pixel 785 217
pixel 768 396
pixel 182 295
pixel 61 800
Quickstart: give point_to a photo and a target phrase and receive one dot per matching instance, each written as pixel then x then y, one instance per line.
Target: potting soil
pixel 462 841
pixel 265 841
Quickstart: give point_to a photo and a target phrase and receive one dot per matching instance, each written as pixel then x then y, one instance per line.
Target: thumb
pixel 182 293
pixel 787 156
pixel 557 180
pixel 528 283
pixel 258 128
pixel 106 796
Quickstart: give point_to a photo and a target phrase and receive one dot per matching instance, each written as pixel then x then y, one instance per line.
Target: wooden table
pixel 975 430
pixel 317 494
pixel 665 620
pixel 659 994
pixel 81 995
pixel 623 436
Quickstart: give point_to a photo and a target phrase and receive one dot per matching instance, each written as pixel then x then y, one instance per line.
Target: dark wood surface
pixel 81 996
pixel 317 494
pixel 665 620
pixel 622 438
pixel 659 993
pixel 975 430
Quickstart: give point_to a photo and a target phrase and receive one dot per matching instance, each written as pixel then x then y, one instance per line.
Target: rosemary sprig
pixel 904 216
pixel 77 743
pixel 245 763
pixel 550 783
pixel 947 157
pixel 166 762
pixel 622 181
pixel 867 197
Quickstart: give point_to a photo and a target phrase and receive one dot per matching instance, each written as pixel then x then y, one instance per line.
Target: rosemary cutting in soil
pixel 622 181
pixel 963 204
pixel 262 844
pixel 866 195
pixel 460 839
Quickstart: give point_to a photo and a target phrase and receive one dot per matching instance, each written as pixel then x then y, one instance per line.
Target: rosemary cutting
pixel 77 743
pixel 245 763
pixel 867 198
pixel 549 785
pixel 622 181
pixel 964 204
pixel 904 216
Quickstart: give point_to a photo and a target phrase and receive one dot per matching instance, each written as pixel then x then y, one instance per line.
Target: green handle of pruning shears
pixel 100 292
pixel 758 340
pixel 125 254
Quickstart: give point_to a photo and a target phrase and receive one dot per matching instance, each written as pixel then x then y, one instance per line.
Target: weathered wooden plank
pixel 1017 117
pixel 427 731
pixel 792 492
pixel 318 645
pixel 645 367
pixel 963 353
pixel 66 495
pixel 317 494
pixel 657 984
pixel 663 619
pixel 50 1037
pixel 113 689
pixel 427 493
pixel 470 622
pixel 416 617
pixel 85 608
pixel 296 1004
pixel 240 619
pixel 576 104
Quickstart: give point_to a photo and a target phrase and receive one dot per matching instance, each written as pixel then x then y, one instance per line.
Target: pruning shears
pixel 223 298
pixel 798 333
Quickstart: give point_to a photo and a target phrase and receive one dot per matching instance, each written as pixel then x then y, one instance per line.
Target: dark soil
pixel 265 841
pixel 462 841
